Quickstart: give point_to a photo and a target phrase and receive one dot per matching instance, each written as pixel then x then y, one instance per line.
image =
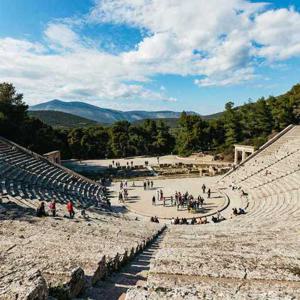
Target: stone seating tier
pixel 250 256
pixel 30 176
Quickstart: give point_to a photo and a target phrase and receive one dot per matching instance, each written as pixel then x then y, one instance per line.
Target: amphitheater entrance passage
pixel 53 156
pixel 241 152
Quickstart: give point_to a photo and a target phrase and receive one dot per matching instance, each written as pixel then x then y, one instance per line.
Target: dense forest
pixel 250 123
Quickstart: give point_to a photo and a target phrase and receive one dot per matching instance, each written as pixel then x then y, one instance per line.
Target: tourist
pixel 41 212
pixel 120 197
pixel 148 184
pixel 208 193
pixel 153 200
pixel 172 221
pixel 125 194
pixel 52 207
pixel 219 216
pixel 145 185
pixel 157 195
pixel 70 209
pixel 161 195
pixel 83 214
pixel 234 212
pixel 241 211
pixel 203 188
pixel 244 193
pixel 184 221
pixel 171 200
pixel 151 184
pixel 193 221
pixel 214 219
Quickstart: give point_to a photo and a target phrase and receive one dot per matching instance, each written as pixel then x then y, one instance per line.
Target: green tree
pixel 13 111
pixel 232 124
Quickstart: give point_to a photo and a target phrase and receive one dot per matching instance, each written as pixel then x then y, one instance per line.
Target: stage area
pixel 140 201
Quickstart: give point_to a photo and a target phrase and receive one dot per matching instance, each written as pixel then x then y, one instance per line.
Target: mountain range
pixel 103 115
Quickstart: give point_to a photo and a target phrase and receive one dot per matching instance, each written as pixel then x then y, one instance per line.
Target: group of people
pixel 148 184
pixel 118 165
pixel 236 212
pixel 184 221
pixel 180 200
pixel 197 221
pixel 154 219
pixel 41 210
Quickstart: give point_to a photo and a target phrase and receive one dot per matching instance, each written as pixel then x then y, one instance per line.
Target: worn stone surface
pixel 250 256
pixel 28 285
pixel 56 246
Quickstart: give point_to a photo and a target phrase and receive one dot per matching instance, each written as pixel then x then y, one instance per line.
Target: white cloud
pixel 216 40
pixel 61 36
pixel 278 31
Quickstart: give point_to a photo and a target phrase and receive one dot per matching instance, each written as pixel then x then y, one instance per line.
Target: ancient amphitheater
pixel 112 255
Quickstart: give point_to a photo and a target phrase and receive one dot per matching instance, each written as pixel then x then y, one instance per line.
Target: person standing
pixel 157 195
pixel 52 207
pixel 208 193
pixel 41 212
pixel 203 188
pixel 153 200
pixel 70 209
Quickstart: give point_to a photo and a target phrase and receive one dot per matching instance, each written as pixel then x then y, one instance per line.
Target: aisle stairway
pixel 133 274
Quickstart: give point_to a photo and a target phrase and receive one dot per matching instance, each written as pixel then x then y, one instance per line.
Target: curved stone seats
pixel 241 259
pixel 28 175
pixel 59 247
pixel 251 256
pixel 284 151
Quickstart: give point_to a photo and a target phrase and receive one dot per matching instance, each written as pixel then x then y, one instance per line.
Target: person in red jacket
pixel 70 209
pixel 52 207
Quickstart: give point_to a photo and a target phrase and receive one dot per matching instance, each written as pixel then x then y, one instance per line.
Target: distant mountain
pixel 102 115
pixel 60 119
pixel 174 122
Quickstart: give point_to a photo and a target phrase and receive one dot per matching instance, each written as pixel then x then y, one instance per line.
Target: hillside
pixel 102 115
pixel 173 122
pixel 59 119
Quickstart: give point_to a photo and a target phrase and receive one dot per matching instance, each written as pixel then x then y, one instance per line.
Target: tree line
pixel 250 123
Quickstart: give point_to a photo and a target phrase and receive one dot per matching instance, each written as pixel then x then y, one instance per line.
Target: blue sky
pixel 184 55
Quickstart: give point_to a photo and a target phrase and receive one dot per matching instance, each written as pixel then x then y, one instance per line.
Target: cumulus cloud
pixel 278 33
pixel 217 41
